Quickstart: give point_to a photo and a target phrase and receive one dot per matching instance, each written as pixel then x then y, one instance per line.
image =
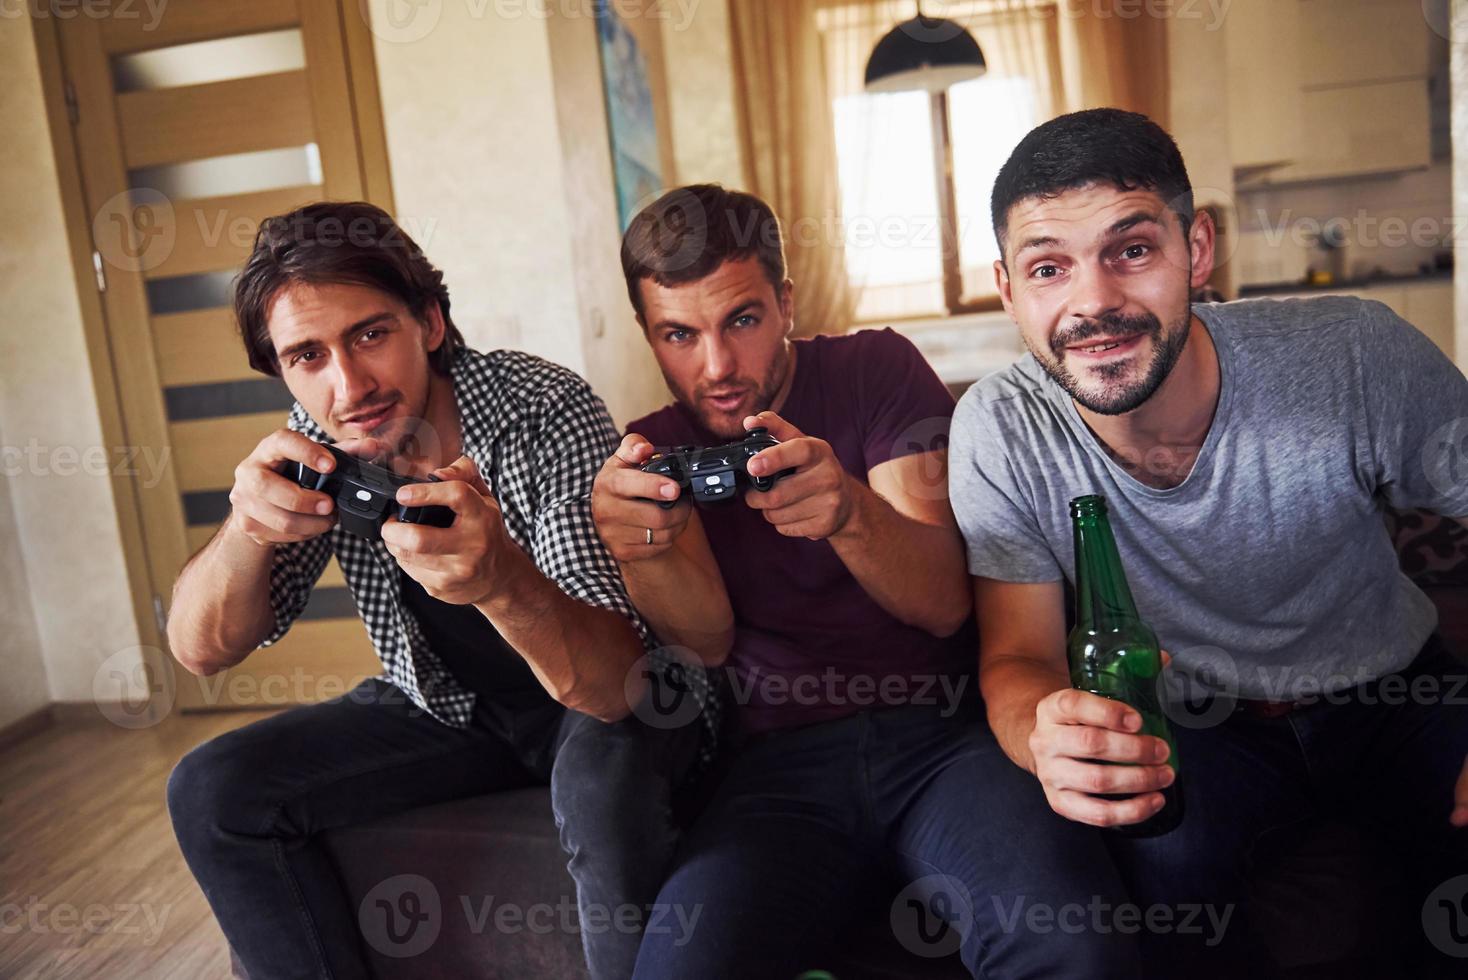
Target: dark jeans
pixel 810 825
pixel 1383 758
pixel 248 807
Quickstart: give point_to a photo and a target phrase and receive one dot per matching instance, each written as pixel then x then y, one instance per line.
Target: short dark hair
pixel 1125 149
pixel 346 242
pixel 690 231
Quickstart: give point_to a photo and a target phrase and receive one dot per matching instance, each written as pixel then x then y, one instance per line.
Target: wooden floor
pixel 91 881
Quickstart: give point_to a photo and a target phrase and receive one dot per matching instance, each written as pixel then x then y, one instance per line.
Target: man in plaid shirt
pixel 511 653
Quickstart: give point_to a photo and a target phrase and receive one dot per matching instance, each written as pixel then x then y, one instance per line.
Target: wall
pixel 69 605
pixel 704 115
pixel 1198 120
pixel 473 149
pixel 25 689
pixel 497 141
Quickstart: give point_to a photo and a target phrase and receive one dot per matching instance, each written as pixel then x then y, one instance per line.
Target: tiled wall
pixel 1395 222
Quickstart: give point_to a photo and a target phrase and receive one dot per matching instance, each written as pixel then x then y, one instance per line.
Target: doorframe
pixel 376 182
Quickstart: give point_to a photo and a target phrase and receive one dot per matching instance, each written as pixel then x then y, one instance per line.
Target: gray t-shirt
pixel 1270 565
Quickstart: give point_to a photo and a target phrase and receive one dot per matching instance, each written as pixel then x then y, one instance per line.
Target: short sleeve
pixel 295 569
pixel 904 407
pixel 1416 406
pixel 576 438
pixel 1000 531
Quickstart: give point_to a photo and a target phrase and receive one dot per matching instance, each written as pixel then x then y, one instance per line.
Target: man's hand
pixel 463 563
pixel 816 501
pixel 622 504
pixel 269 507
pixel 1459 817
pixel 1075 732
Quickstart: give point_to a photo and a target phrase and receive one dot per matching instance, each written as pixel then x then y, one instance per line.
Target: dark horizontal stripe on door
pixel 224 398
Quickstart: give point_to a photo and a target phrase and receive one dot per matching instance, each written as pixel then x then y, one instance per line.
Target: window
pixel 910 183
pixel 916 169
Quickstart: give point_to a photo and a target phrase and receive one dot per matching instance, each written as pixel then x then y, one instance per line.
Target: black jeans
pixel 248 806
pixel 1384 755
pixel 900 812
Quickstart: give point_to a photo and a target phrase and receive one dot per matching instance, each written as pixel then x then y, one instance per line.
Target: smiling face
pixel 1099 280
pixel 721 342
pixel 355 358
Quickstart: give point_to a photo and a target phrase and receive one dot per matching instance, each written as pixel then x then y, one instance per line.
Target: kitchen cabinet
pixel 1264 79
pixel 1323 89
pixel 1350 42
pixel 1430 309
pixel 1427 305
pixel 1355 130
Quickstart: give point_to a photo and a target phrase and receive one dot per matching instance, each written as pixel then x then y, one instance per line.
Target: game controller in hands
pixel 715 473
pixel 366 495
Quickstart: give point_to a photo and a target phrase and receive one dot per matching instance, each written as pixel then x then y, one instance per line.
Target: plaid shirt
pixel 538 434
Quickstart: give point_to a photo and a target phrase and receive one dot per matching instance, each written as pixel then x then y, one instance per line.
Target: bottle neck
pixel 1103 597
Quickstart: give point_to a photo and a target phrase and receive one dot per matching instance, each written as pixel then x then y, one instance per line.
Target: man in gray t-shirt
pixel 1246 451
pixel 1268 567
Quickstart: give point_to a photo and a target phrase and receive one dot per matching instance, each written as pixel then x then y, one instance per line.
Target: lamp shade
pixel 925 53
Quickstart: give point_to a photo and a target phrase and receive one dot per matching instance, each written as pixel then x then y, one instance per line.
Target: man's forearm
pixel 913 570
pixel 1012 688
pixel 221 602
pixel 684 603
pixel 581 654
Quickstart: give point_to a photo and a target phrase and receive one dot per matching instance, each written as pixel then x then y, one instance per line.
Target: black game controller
pixel 715 473
pixel 366 495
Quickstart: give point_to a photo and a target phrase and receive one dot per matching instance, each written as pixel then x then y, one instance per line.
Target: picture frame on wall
pixel 631 117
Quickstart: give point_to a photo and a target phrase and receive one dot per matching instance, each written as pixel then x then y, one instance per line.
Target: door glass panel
pixel 237 173
pixel 210 61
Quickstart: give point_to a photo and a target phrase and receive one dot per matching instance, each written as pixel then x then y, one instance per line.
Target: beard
pixel 409 438
pixel 408 441
pixel 725 425
pixel 1117 392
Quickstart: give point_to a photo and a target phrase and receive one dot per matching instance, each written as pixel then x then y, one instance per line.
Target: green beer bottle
pixel 1112 652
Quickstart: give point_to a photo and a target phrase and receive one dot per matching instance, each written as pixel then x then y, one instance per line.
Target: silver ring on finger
pixel 649 535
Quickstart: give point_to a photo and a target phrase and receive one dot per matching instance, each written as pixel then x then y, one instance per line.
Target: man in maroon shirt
pixel 837 606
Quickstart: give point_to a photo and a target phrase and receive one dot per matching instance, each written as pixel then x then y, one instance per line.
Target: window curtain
pixel 1112 60
pixel 789 147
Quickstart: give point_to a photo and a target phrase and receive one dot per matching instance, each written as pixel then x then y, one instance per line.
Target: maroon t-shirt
pixel 810 644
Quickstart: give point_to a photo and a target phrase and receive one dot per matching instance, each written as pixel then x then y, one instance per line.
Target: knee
pixel 208 787
pixel 600 761
pixel 607 780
